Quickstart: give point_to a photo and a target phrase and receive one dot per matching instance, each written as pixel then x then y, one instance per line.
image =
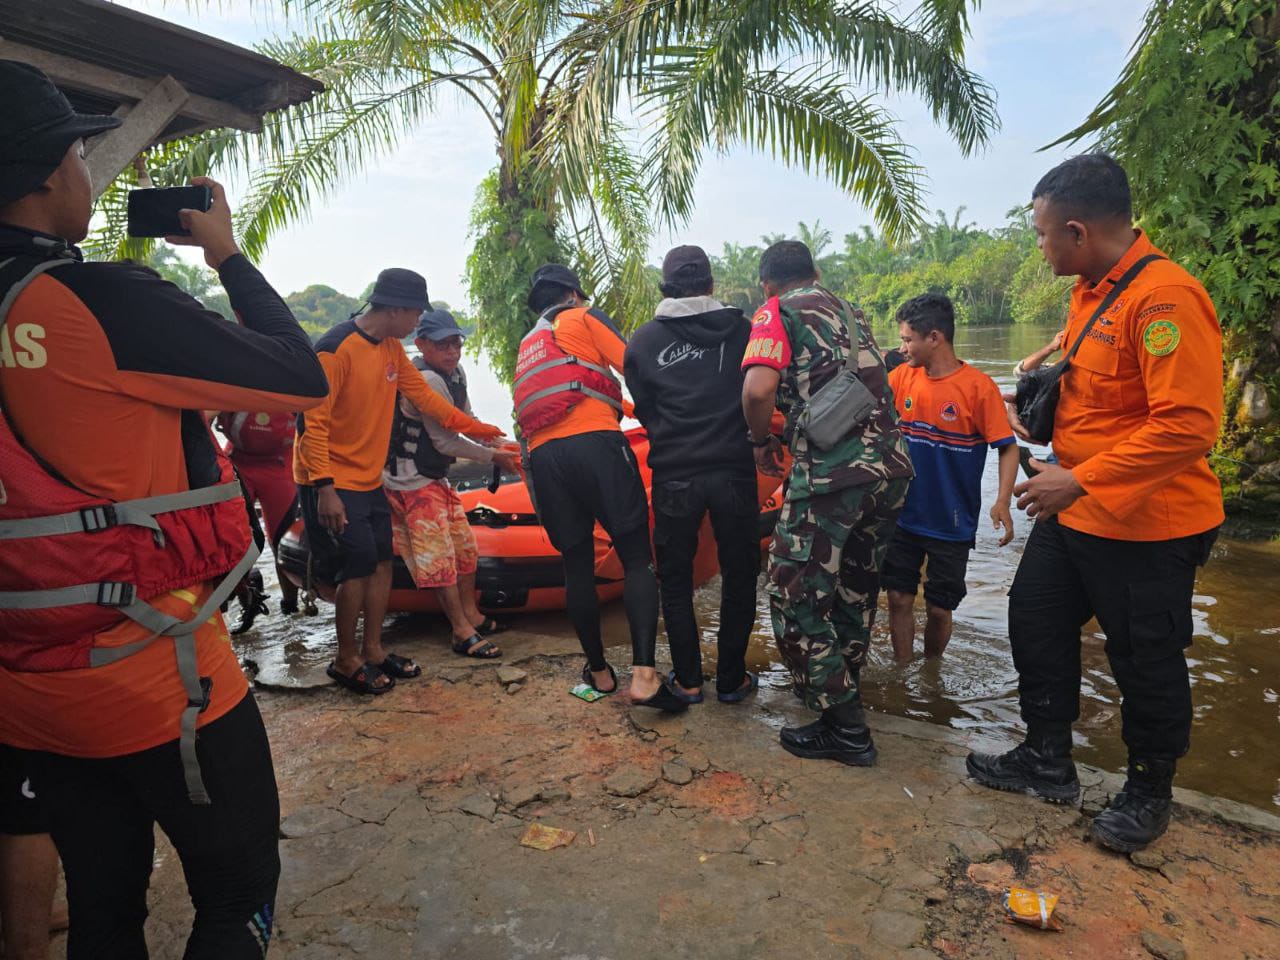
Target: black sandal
pixel 400 668
pixel 476 646
pixel 490 627
pixel 587 679
pixel 665 699
pixel 364 680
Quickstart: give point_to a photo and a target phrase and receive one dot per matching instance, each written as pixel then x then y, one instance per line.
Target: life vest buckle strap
pixel 206 692
pixel 112 594
pixel 97 519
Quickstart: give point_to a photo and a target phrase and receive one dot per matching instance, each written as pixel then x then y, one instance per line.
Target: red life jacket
pixel 550 382
pixel 73 565
pixel 261 435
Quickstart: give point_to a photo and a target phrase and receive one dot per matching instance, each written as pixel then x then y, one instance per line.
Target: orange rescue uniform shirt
pixel 1141 405
pixel 588 337
pixel 345 439
pixel 103 402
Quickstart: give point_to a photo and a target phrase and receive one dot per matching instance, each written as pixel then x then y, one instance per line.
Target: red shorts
pixel 270 482
pixel 432 535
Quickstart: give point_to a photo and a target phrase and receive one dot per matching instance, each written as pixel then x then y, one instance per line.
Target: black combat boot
pixel 839 734
pixel 1041 766
pixel 1139 813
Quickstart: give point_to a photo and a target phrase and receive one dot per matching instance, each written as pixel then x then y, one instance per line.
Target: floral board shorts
pixel 431 534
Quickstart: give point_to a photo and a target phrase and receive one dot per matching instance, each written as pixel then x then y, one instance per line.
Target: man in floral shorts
pixel 430 529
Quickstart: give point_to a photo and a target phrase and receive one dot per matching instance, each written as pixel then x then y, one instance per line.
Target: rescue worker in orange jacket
pixel 1128 514
pixel 105 390
pixel 583 471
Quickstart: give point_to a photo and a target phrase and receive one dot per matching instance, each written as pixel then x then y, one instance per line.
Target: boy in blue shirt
pixel 950 414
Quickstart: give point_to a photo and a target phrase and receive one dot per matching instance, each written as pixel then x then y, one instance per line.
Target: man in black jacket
pixel 684 371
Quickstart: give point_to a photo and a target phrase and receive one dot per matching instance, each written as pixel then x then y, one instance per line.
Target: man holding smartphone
pixel 104 372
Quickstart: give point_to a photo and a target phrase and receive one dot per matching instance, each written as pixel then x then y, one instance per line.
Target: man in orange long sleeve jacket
pixel 1129 514
pixel 338 459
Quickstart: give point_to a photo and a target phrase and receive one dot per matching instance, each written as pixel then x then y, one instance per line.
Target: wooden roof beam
pixel 91 78
pixel 109 154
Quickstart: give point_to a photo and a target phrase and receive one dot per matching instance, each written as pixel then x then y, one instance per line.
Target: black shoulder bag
pixel 1037 395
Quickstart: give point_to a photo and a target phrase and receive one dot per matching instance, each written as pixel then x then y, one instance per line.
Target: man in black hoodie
pixel 684 372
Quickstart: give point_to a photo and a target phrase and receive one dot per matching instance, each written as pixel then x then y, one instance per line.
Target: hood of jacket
pixel 703 321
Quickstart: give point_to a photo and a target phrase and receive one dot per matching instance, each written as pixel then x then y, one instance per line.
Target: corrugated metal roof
pixel 107 35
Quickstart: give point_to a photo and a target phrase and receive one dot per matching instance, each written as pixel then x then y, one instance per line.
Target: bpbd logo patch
pixel 950 412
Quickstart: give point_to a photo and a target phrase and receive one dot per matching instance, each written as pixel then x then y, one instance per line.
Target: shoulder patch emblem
pixel 1161 337
pixel 762 316
pixel 908 403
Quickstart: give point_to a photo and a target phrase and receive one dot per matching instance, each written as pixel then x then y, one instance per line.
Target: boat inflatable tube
pixel 518 568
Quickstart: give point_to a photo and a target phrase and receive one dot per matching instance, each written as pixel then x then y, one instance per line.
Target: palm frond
pixel 309 167
pixel 808 120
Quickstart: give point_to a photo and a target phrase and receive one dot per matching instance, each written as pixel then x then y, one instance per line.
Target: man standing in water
pixel 841 504
pixel 1131 511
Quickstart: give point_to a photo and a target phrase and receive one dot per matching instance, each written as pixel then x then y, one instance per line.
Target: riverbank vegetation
pixel 993 276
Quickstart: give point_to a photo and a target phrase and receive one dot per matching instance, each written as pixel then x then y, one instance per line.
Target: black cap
pixel 437 325
pixel 37 126
pixel 398 287
pixel 686 263
pixel 553 274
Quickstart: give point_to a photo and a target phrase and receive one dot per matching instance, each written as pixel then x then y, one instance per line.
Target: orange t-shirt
pixel 591 336
pixel 1141 405
pixel 125 363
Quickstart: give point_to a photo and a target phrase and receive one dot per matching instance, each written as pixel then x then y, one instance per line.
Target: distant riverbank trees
pixel 993 276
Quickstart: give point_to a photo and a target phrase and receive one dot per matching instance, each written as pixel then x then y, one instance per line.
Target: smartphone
pixel 154 213
pixel 1024 457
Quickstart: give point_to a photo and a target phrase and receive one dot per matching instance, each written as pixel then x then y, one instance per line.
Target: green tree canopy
pixel 602 112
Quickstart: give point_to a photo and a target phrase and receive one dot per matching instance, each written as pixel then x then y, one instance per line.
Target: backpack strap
pixel 1119 288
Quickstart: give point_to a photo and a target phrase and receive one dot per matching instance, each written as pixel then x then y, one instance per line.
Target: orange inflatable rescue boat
pixel 519 569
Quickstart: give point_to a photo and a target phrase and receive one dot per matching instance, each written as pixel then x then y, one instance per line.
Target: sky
pixel 1050 62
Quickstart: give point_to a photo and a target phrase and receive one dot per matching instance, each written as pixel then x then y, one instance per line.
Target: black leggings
pixel 639 597
pixel 102 815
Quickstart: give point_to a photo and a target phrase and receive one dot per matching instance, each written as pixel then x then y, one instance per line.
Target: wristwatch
pixel 759 443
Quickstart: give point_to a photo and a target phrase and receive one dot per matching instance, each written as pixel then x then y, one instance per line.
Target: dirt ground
pixel 696 836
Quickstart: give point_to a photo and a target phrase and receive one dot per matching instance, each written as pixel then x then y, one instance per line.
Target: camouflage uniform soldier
pixel 841 503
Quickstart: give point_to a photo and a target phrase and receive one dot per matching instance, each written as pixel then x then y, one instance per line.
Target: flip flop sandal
pixel 400 668
pixel 686 697
pixel 587 679
pixel 364 680
pixel 490 627
pixel 476 646
pixel 748 687
pixel 665 699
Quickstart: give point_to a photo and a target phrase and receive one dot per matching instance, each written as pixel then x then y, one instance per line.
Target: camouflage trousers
pixel 824 581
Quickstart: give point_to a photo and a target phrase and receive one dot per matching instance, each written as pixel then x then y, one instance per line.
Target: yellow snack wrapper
pixel 546 838
pixel 1032 907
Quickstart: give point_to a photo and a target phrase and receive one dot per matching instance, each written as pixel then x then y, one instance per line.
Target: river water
pixel 1235 658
